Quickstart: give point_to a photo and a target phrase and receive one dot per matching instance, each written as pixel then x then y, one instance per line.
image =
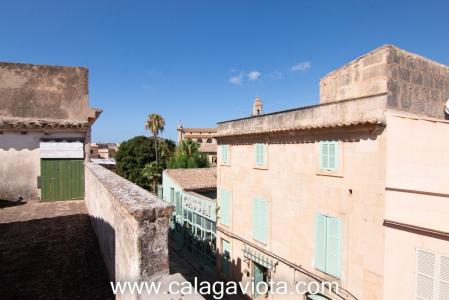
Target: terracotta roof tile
pixel 374 121
pixel 194 179
pixel 31 123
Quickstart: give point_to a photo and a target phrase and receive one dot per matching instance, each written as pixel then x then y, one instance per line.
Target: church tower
pixel 257 107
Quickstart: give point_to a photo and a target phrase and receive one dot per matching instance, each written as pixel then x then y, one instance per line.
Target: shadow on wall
pixel 18 142
pixel 52 258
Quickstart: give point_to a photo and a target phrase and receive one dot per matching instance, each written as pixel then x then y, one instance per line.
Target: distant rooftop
pixel 194 179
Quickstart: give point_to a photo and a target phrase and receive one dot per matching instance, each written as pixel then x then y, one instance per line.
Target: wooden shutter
pixel 320 242
pixel 333 247
pixel 259 153
pixel 324 155
pixel 260 220
pixel 225 154
pixel 443 289
pixel 333 155
pixel 425 275
pixel 225 207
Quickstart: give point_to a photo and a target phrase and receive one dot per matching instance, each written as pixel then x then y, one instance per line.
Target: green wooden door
pixel 62 179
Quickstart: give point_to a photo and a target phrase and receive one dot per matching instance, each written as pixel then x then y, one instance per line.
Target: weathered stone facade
pixel 39 103
pixel 42 91
pixel 131 225
pixel 411 82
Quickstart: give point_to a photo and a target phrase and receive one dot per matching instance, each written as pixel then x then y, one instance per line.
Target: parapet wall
pixel 44 92
pixel 413 83
pixel 130 223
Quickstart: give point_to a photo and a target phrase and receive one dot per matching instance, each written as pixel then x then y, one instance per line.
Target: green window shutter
pixel 328 155
pixel 178 204
pixel 324 155
pixel 225 207
pixel 260 220
pixel 225 154
pixel 333 155
pixel 320 242
pixel 259 153
pixel 333 247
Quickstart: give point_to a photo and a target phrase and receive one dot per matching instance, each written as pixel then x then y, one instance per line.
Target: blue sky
pixel 204 61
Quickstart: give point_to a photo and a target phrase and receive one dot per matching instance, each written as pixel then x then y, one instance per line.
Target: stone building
pixel 352 190
pixel 193 192
pixel 205 137
pixel 103 150
pixel 45 122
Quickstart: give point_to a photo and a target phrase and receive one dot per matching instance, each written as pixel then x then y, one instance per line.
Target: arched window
pixel 209 141
pixel 199 141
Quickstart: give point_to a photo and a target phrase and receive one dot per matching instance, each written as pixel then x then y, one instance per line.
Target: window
pixel 225 207
pixel 209 141
pixel 328 245
pixel 226 262
pixel 225 154
pixel 178 204
pixel 260 274
pixel 328 155
pixel 260 220
pixel 172 195
pixel 432 276
pixel 200 141
pixel 260 154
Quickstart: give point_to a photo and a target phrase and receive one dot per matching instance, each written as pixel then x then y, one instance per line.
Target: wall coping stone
pixel 138 202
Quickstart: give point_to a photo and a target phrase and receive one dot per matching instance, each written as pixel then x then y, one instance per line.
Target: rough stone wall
pixel 413 83
pixel 131 225
pixel 417 84
pixel 363 77
pixel 41 91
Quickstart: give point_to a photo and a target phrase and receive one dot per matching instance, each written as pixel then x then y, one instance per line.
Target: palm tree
pixel 152 172
pixel 155 123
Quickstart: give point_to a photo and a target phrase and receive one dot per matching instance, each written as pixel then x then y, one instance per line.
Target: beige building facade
pixel 205 137
pixel 352 190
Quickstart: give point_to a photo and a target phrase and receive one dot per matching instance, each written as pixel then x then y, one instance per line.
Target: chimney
pixel 257 107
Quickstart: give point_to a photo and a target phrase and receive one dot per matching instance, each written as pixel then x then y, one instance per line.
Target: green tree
pixel 135 153
pixel 153 172
pixel 187 155
pixel 155 123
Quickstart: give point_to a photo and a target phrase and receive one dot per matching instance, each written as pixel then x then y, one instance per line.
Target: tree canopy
pixel 187 155
pixel 135 153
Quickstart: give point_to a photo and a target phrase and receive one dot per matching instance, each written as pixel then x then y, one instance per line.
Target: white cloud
pixel 304 66
pixel 276 75
pixel 254 75
pixel 236 80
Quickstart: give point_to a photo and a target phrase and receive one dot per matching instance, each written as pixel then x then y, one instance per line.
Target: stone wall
pixel 362 77
pixel 417 84
pixel 41 91
pixel 323 115
pixel 131 225
pixel 413 83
